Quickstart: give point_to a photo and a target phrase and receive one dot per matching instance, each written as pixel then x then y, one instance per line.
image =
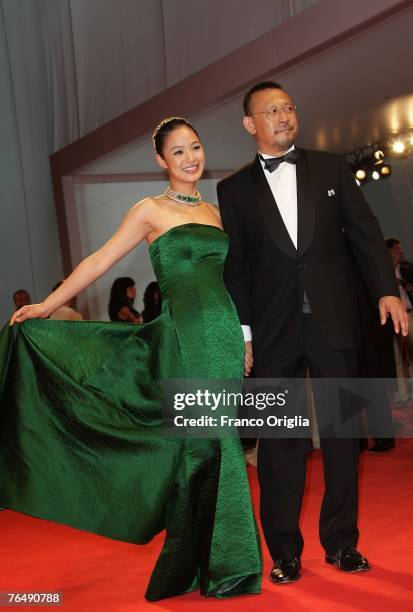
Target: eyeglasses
pixel 287 109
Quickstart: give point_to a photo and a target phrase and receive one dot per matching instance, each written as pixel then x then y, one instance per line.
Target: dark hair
pixel 391 242
pixel 152 302
pixel 258 87
pixel 167 126
pixel 152 292
pixel 118 297
pixel 20 291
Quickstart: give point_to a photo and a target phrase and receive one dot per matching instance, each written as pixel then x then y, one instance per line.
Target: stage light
pixel 361 174
pixel 378 156
pixel 371 163
pixel 398 146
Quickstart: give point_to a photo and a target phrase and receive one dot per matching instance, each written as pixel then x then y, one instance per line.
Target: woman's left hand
pixel 248 359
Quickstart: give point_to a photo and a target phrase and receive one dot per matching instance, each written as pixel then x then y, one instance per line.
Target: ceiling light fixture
pixel 361 174
pixel 385 170
pixel 378 156
pixel 398 147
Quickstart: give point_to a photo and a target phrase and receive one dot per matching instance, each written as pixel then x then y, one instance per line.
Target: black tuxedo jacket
pixel 266 275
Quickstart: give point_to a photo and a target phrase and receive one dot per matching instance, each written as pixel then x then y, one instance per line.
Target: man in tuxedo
pixel 296 219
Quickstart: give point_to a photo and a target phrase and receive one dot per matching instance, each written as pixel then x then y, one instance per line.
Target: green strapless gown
pixel 81 434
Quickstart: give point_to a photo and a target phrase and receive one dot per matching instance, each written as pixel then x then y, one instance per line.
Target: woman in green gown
pixel 81 439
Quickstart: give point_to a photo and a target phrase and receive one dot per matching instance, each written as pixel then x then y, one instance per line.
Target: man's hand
pixel 248 360
pixel 393 306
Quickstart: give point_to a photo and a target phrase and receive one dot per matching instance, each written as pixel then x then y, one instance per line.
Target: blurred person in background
pixel 122 297
pixel 152 302
pixel 21 297
pixel 65 312
pixel 403 346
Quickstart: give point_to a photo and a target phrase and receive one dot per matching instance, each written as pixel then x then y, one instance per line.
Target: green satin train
pixel 81 430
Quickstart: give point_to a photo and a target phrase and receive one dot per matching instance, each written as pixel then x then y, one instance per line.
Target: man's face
pixel 396 253
pixel 272 121
pixel 22 298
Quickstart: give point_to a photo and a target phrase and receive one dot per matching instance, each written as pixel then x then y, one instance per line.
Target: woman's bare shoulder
pixel 214 209
pixel 144 204
pixel 146 208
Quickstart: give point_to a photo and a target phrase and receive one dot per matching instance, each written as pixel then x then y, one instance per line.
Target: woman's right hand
pixel 32 311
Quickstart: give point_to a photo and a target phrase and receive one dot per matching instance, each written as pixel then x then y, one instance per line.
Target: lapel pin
pixel 331 192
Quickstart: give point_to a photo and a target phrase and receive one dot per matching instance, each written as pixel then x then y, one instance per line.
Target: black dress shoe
pixel 348 560
pixel 286 570
pixel 382 446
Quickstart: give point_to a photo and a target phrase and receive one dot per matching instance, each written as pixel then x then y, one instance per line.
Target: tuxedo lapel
pixel 305 204
pixel 269 211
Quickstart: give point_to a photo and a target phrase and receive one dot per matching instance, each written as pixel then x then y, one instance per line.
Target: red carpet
pixel 99 574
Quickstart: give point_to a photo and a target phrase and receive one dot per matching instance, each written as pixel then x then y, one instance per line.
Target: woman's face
pixel 131 292
pixel 182 156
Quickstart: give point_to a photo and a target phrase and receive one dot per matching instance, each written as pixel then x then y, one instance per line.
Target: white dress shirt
pixel 283 185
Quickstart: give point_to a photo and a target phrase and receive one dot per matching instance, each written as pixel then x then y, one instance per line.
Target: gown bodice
pixel 187 257
pixel 188 261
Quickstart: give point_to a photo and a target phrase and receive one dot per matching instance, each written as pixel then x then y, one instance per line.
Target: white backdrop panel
pixel 120 60
pixel 15 260
pixel 198 33
pixel 37 115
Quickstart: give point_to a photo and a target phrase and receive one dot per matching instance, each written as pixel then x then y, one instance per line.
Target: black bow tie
pixel 272 163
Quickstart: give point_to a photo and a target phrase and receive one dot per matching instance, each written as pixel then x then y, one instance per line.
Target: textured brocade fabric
pixel 80 426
